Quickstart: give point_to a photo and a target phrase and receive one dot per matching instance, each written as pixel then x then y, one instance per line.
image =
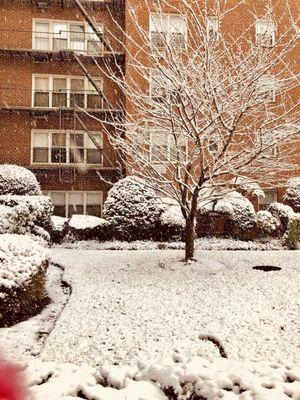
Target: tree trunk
pixel 190 238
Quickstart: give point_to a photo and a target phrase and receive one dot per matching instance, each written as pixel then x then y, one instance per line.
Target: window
pixel 66 35
pixel 94 100
pixel 212 28
pixel 68 203
pixel 42 36
pixel 94 44
pixel 270 197
pixel 168 30
pixel 77 93
pixel 65 91
pixel 77 37
pixel 266 88
pixel 164 147
pixel 41 92
pixel 60 36
pixel 158 86
pixel 265 33
pixel 59 93
pixel 59 147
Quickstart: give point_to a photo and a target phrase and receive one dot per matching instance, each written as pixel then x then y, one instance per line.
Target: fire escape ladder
pixel 82 124
pixel 93 25
pixel 91 80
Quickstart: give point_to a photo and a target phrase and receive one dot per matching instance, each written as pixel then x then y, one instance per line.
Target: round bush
pixel 18 181
pixel 292 194
pixel 133 209
pixel 266 222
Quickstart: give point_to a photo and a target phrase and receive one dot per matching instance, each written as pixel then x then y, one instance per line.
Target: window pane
pixel 41 99
pixel 40 139
pixel 40 155
pixel 58 199
pixel 93 198
pixel 75 203
pixel 60 211
pixel 76 155
pixel 60 30
pixel 58 139
pixel 97 138
pixel 59 84
pixel 76 198
pixel 41 84
pixel 77 33
pixel 93 156
pixel 42 43
pixel 58 155
pixel 42 29
pixel 94 210
pixel 77 85
pixel 76 139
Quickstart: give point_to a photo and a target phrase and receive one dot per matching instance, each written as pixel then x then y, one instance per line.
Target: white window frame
pixel 262 38
pixel 167 17
pixel 212 25
pixel 169 138
pixel 68 133
pixel 87 33
pixel 266 88
pixel 261 204
pixel 68 78
pixel 85 196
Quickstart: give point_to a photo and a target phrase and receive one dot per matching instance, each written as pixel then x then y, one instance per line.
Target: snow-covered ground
pixel 200 244
pixel 129 305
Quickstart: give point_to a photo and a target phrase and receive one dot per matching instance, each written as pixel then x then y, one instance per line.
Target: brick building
pixel 50 52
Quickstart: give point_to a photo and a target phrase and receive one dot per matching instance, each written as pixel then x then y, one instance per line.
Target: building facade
pixel 54 90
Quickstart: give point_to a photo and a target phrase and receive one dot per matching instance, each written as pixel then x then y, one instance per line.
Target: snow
pixel 172 216
pixel 18 180
pixel 200 244
pixel 78 221
pixel 126 306
pixel 266 221
pixel 24 341
pixel 21 257
pixel 58 222
pixel 209 380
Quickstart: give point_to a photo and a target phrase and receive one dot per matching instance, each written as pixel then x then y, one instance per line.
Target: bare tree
pixel 205 106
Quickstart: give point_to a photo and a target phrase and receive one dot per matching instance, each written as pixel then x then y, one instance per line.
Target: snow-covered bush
pixel 171 224
pixel 87 227
pixel 266 222
pixel 233 215
pixel 133 209
pixel 23 261
pixel 292 194
pixel 283 212
pixel 23 214
pixel 18 181
pixel 59 228
pixel 177 378
pixel 292 236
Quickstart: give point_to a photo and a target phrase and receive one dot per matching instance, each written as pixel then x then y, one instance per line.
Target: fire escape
pixel 72 116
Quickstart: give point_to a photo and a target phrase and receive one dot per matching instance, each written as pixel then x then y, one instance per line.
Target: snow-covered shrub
pixel 171 224
pixel 133 209
pixel 87 227
pixel 233 215
pixel 23 261
pixel 59 228
pixel 292 236
pixel 18 181
pixel 23 214
pixel 266 222
pixel 283 212
pixel 176 378
pixel 292 194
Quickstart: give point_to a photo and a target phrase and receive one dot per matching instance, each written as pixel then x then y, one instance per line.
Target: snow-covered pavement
pixel 125 305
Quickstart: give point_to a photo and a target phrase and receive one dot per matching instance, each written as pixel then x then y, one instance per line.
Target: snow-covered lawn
pixel 129 305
